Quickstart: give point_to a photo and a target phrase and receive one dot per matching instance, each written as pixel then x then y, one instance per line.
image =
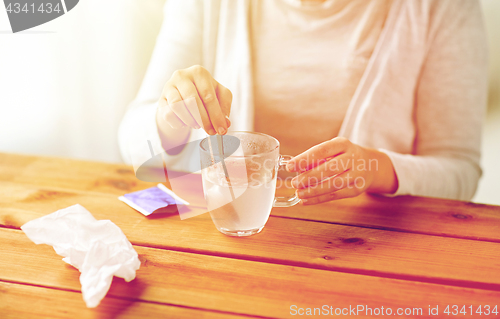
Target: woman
pixel 400 83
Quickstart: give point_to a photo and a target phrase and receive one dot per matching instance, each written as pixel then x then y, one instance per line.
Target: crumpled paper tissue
pixel 97 248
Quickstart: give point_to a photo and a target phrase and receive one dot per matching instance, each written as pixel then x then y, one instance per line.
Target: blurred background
pixel 65 85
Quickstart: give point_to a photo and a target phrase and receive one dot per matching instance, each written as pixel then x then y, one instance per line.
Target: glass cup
pixel 240 189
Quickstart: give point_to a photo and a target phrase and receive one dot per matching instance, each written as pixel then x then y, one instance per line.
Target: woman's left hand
pixel 338 169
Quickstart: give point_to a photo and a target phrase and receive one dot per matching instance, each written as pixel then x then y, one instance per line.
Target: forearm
pixel 436 175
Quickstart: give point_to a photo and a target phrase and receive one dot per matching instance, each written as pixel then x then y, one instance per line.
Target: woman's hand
pixel 192 98
pixel 338 169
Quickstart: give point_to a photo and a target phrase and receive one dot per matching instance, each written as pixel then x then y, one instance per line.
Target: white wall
pixel 489 186
pixel 65 84
pixel 491 9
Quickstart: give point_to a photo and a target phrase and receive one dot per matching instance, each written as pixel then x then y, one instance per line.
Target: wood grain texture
pixel 19 301
pixel 359 250
pixel 406 214
pixel 419 215
pixel 375 251
pixel 231 285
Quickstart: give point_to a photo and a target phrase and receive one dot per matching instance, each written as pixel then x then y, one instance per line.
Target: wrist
pixel 384 176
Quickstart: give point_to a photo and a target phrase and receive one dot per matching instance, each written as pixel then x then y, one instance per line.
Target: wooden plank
pixel 409 214
pixel 12 165
pixel 19 301
pixel 301 243
pixel 231 285
pixel 81 175
pixel 420 215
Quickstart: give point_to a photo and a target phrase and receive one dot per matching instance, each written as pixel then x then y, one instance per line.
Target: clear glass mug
pixel 240 195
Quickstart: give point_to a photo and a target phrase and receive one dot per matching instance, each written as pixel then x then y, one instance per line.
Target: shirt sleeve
pixel 450 103
pixel 178 46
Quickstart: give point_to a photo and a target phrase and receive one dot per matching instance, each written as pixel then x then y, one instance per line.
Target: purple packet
pixel 149 200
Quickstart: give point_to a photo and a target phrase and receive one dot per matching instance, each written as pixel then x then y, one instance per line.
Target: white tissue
pixel 98 248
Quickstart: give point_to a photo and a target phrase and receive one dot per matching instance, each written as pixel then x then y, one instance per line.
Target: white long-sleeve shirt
pixel 421 99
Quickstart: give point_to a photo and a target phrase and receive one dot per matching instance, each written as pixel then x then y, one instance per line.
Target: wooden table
pixel 404 252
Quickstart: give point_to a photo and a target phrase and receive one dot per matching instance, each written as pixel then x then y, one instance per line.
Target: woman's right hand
pixel 193 98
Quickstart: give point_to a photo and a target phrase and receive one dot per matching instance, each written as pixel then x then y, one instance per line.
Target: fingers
pixel 176 103
pixel 343 193
pixel 318 154
pixel 208 96
pixel 327 169
pixel 225 98
pixel 194 110
pixel 328 186
pixel 168 114
pixel 195 99
pixel 195 105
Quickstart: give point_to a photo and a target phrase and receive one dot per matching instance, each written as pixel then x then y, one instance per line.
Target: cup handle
pixel 285 201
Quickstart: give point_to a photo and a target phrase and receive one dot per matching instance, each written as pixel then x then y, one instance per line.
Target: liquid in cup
pixel 252 172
